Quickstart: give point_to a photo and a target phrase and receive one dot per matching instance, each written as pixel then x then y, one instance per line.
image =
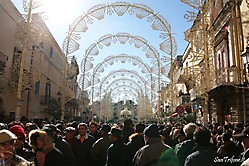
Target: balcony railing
pixel 227 76
pixel 184 99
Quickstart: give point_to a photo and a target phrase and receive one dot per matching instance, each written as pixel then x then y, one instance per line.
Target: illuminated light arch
pixel 123 38
pixel 123 72
pixel 124 87
pixel 159 23
pixel 122 58
pixel 141 11
pixel 134 76
pixel 125 93
pixel 123 81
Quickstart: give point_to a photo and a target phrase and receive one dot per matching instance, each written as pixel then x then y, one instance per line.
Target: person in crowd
pixel 228 147
pixel 136 142
pixel 214 137
pixel 127 130
pixel 204 153
pixel 7 150
pixel 19 143
pixel 155 152
pixel 82 145
pixel 69 135
pixel 168 140
pixel 237 130
pixel 60 144
pixel 46 153
pixel 180 137
pixel 93 130
pixel 116 153
pixel 99 148
pixel 30 126
pixel 185 148
pixel 244 138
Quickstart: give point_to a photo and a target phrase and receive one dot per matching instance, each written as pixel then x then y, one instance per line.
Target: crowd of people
pixel 127 144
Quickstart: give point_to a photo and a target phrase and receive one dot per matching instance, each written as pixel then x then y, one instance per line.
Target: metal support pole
pixel 22 59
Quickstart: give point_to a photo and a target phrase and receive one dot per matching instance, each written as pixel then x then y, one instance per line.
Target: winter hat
pixel 106 128
pixel 18 130
pixel 116 132
pixel 6 136
pixel 152 131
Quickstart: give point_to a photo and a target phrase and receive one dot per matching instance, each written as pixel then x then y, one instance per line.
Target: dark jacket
pixel 25 153
pixel 228 149
pixel 137 141
pixel 54 157
pixel 96 135
pixel 99 150
pixel 126 132
pixel 155 153
pixel 184 149
pixel 204 156
pixel 66 151
pixel 116 154
pixel 82 150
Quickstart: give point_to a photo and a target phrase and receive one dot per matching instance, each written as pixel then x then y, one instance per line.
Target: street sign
pixel 179 109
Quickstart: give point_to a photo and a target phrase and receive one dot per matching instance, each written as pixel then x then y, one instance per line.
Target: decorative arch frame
pixel 141 11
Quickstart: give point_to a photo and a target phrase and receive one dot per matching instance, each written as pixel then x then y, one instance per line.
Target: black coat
pixel 116 154
pixel 99 150
pixel 204 156
pixel 54 157
pixel 133 146
pixel 66 151
pixel 82 150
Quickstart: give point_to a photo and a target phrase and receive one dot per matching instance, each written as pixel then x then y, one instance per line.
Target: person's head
pixel 115 134
pixel 19 132
pixel 128 123
pixel 151 131
pixel 50 129
pixel 181 135
pixel 202 136
pixel 105 129
pixel 189 129
pixel 93 127
pixel 82 129
pixel 7 141
pixel 30 126
pixel 140 127
pixel 69 132
pixel 40 140
pixel 238 128
pixel 226 137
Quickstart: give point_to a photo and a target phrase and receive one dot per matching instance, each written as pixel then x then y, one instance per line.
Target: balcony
pixel 227 76
pixel 184 99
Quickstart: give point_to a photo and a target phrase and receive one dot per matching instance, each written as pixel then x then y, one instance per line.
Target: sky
pixel 60 14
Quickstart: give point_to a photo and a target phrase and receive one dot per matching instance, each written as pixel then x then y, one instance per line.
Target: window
pixel 51 52
pixel 47 92
pixel 37 87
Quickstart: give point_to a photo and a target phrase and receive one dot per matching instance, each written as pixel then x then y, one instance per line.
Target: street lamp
pixel 245 57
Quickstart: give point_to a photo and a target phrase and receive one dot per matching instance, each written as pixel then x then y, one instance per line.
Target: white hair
pixel 189 128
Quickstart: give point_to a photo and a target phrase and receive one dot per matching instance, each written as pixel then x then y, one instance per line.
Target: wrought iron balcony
pixel 184 98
